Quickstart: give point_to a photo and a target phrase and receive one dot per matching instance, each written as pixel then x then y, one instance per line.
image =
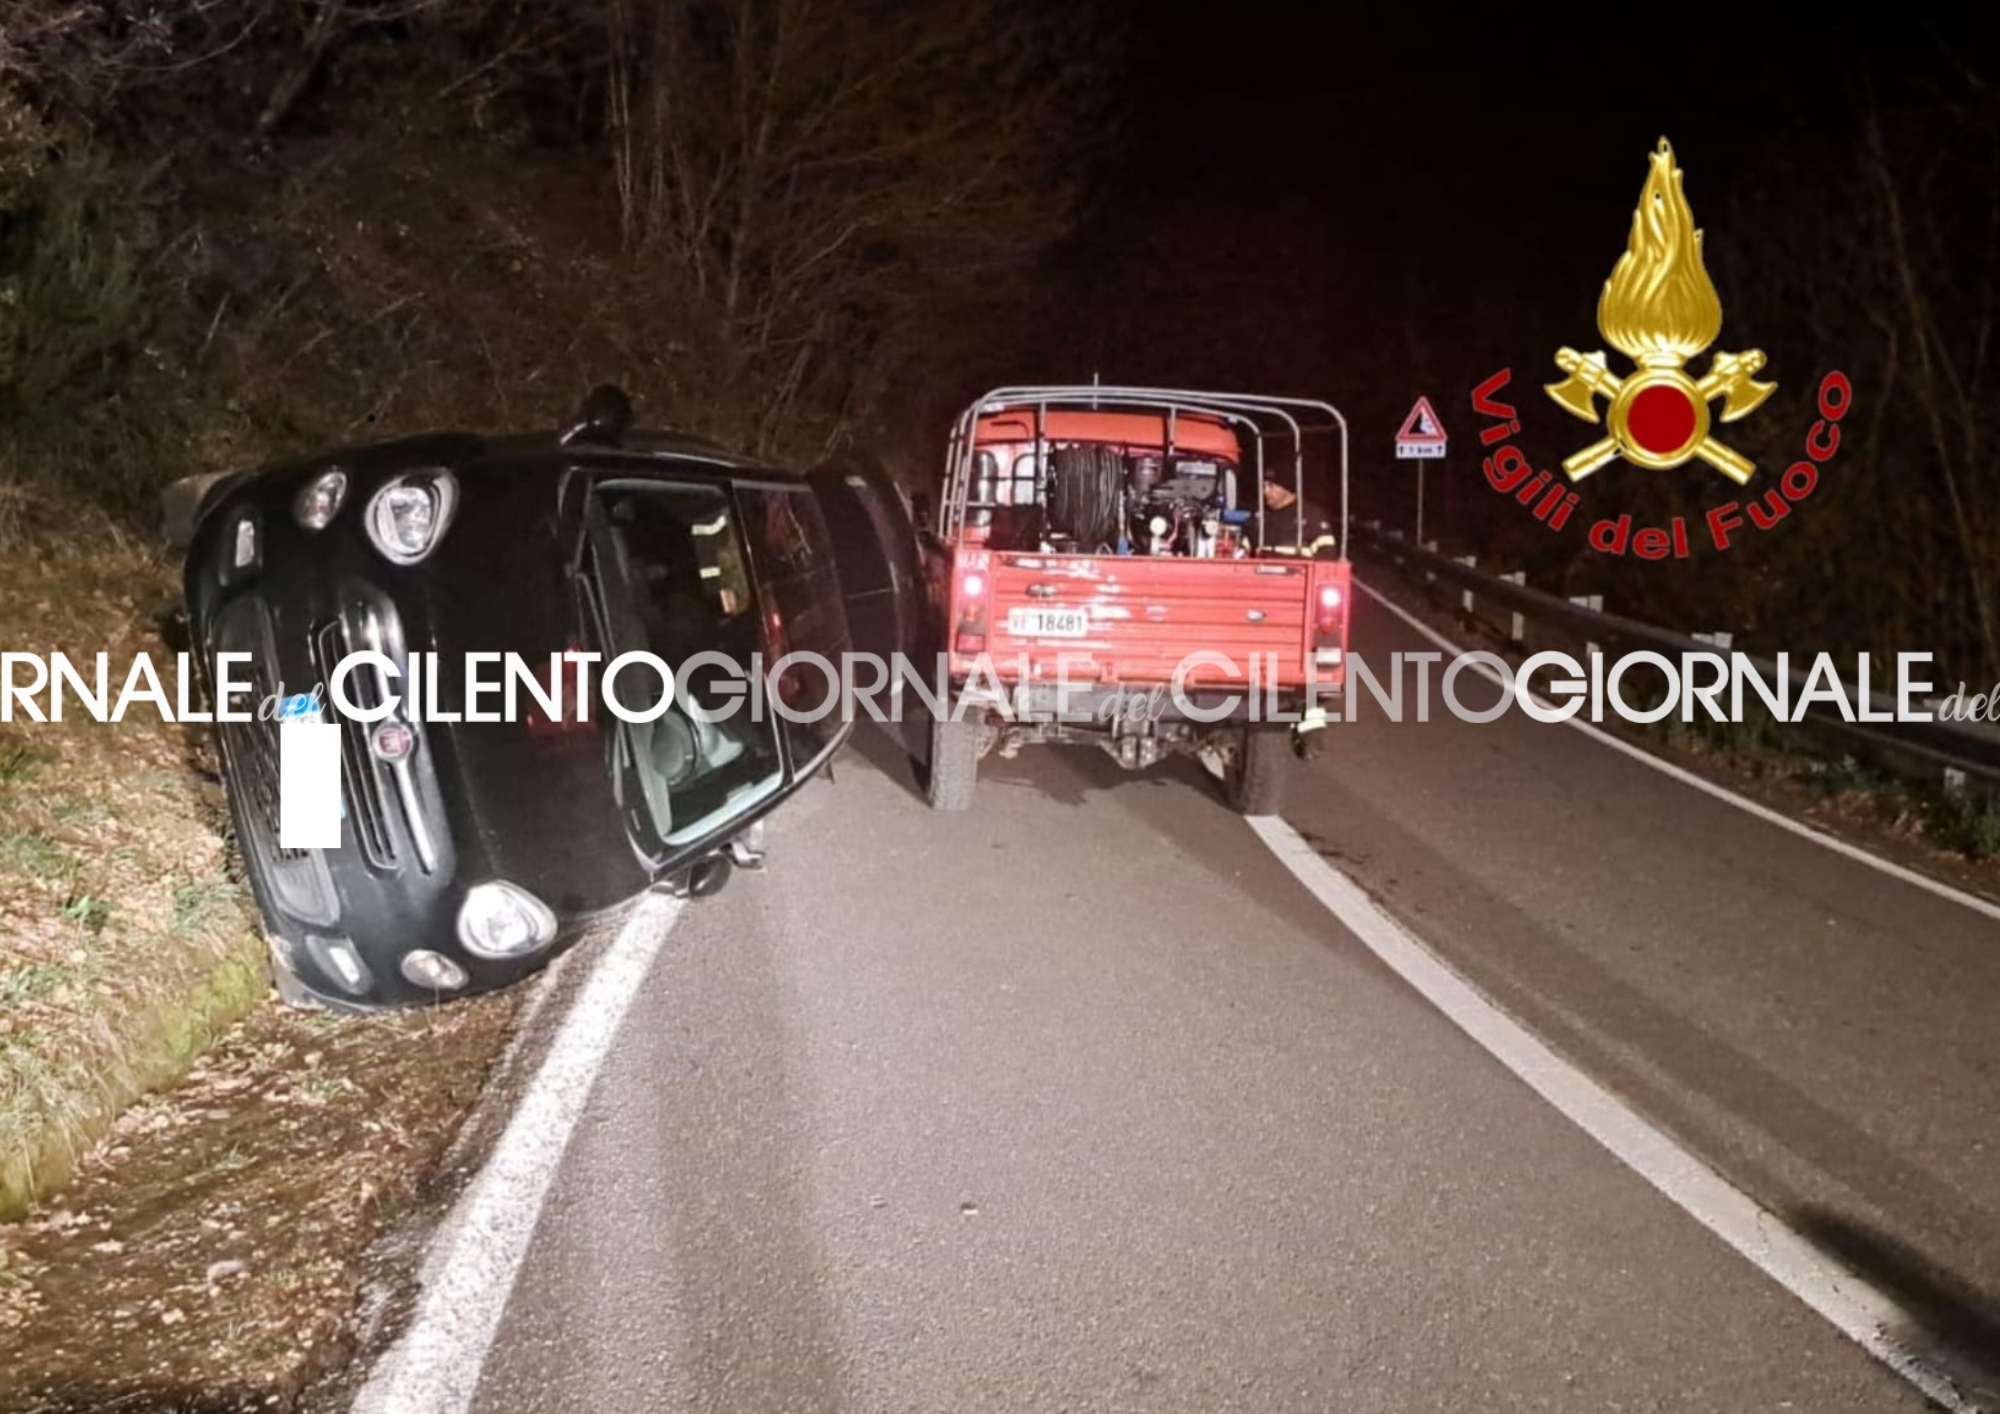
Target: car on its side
pixel 470 853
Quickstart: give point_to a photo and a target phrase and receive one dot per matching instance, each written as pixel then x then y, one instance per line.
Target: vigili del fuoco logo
pixel 1661 311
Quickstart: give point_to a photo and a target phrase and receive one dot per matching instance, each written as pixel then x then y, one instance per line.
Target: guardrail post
pixel 1594 603
pixel 1954 781
pixel 1518 628
pixel 1471 562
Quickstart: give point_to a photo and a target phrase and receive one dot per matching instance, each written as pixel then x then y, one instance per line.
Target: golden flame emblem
pixel 1660 309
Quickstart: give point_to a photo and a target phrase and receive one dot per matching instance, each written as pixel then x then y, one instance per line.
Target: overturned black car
pixel 471 852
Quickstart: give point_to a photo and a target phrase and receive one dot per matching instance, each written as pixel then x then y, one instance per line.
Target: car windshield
pixel 676 584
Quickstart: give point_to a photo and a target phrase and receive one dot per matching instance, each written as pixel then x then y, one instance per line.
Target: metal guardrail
pixel 1953 753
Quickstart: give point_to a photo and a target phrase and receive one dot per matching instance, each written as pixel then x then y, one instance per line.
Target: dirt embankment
pixel 208 1255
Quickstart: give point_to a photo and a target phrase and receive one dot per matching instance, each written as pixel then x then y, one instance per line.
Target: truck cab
pixel 1109 570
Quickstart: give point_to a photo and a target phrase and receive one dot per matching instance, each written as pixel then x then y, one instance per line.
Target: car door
pixel 875 549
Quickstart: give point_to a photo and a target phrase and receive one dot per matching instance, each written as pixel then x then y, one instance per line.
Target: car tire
pixel 1083 494
pixel 1256 770
pixel 954 764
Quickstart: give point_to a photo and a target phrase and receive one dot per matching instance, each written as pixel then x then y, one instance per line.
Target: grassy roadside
pixel 126 943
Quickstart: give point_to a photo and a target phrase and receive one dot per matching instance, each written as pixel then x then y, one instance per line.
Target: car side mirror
pixel 704 878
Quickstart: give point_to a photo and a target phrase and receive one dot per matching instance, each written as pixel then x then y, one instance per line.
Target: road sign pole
pixel 1421 438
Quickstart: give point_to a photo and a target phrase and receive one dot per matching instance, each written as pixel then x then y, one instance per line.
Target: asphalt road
pixel 1079 1101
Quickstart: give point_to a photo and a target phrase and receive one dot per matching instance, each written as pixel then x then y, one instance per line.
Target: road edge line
pixel 434 1366
pixel 1686 777
pixel 1851 1304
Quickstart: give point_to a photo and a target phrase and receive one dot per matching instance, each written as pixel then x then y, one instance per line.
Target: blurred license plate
pixel 1048 623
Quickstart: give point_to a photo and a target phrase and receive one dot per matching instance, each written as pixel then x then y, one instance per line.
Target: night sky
pixel 1366 208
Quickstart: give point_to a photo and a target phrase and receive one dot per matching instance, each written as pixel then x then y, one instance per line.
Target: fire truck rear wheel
pixel 1258 764
pixel 954 764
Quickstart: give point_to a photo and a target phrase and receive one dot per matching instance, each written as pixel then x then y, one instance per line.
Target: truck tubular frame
pixel 1262 417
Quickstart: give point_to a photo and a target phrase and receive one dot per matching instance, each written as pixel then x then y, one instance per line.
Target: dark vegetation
pixel 234 227
pixel 231 227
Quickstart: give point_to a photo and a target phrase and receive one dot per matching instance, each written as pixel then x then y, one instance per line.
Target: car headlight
pixel 320 499
pixel 408 516
pixel 499 919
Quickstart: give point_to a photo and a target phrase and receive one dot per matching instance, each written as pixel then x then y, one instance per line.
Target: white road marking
pixel 1688 778
pixel 1856 1308
pixel 434 1367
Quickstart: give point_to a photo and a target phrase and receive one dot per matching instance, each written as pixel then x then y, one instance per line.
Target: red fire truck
pixel 1140 569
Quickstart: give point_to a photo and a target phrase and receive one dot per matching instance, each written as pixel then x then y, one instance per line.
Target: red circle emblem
pixel 1661 419
pixel 392 741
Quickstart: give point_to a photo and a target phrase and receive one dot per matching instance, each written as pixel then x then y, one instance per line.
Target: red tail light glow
pixel 970 635
pixel 1329 612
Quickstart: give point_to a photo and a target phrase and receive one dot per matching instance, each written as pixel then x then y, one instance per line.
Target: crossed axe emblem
pixel 1673 415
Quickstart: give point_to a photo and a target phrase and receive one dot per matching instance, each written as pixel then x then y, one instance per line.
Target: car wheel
pixel 1255 770
pixel 954 766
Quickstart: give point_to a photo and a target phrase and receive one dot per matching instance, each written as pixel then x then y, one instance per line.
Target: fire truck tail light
pixel 969 634
pixel 1329 601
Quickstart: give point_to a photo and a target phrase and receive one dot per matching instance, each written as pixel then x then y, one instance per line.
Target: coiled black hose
pixel 1083 494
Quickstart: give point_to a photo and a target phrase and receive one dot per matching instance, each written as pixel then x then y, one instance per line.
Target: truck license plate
pixel 1048 623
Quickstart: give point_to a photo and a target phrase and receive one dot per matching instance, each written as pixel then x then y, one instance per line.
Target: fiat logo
pixel 392 741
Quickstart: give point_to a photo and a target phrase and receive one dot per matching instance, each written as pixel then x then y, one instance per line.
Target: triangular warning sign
pixel 1422 424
